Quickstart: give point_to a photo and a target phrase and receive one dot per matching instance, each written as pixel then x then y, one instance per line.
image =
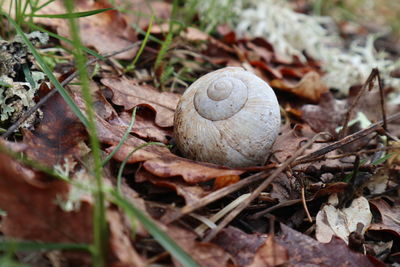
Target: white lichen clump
pixel 294 34
pixel 19 81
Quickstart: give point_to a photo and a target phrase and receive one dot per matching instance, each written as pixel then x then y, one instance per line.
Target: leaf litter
pixel 159 181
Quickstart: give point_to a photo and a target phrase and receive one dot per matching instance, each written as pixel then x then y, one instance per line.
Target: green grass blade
pixel 159 235
pixel 49 74
pixel 100 228
pixel 143 45
pixel 142 32
pixel 36 8
pixel 73 15
pixel 32 245
pixel 28 75
pixel 124 137
pixel 383 159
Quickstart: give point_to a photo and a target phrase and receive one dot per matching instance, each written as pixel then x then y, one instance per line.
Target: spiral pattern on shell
pixel 224 97
pixel 229 117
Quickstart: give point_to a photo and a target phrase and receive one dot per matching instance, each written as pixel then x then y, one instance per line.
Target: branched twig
pixel 346 140
pixel 29 112
pixel 259 189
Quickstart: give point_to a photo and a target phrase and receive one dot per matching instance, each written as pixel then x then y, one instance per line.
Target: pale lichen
pixel 17 91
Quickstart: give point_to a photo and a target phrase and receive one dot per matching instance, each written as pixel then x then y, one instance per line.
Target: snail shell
pixel 229 117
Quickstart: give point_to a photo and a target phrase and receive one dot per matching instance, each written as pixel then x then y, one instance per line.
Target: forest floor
pixel 90 173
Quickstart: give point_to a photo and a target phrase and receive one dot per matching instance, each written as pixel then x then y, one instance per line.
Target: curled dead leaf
pixel 107 31
pixel 129 94
pixel 310 87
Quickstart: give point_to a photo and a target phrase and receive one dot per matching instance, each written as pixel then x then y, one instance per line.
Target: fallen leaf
pixel 331 221
pixel 194 34
pixel 57 136
pixel 310 87
pixel 124 254
pixel 32 212
pixel 241 246
pixel 389 219
pixel 191 171
pixel 31 200
pixel 205 254
pixel 287 142
pixel 270 254
pixel 144 126
pixel 306 251
pixel 107 31
pixel 191 193
pixel 223 181
pixel 129 94
pixel 327 115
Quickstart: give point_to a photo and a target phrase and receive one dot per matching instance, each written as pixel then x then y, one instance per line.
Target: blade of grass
pixel 32 245
pixel 146 37
pixel 28 75
pixel 71 15
pixel 36 8
pixel 121 168
pixel 143 45
pixel 155 231
pixel 168 39
pixel 100 229
pixel 124 137
pixel 48 72
pixel 142 32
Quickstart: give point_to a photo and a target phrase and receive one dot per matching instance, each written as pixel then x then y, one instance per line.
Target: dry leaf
pixel 129 94
pixel 306 251
pixel 191 171
pixel 327 115
pixel 107 31
pixel 144 126
pixel 32 212
pixel 240 245
pixel 310 87
pixel 57 136
pixel 331 221
pixel 270 254
pixel 223 181
pixel 205 254
pixel 191 193
pixel 390 220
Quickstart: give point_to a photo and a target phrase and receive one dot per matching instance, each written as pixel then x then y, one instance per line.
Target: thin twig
pixel 29 112
pixel 384 125
pixel 259 189
pixel 216 195
pixel 303 200
pixel 368 83
pixel 346 140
